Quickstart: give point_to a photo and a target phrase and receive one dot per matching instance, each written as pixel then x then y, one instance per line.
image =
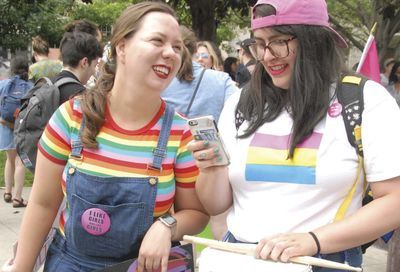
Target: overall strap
pixel 160 152
pixel 194 93
pixel 76 143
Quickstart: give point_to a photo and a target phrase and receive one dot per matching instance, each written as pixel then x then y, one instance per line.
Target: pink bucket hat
pixel 296 12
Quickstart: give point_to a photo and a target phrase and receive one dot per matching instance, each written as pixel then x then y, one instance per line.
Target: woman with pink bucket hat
pixel 292 166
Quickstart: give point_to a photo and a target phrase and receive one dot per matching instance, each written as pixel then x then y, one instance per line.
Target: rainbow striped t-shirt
pixel 123 153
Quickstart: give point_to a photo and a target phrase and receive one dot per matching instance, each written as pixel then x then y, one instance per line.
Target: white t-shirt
pixel 273 195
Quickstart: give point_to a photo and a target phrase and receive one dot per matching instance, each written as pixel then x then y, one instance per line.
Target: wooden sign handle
pixel 249 249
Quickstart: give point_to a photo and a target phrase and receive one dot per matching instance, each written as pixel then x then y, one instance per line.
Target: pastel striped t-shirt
pixel 123 153
pixel 267 159
pixel 274 194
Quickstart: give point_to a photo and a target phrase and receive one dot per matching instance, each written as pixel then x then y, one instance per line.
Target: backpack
pixel 37 107
pixel 10 99
pixel 350 96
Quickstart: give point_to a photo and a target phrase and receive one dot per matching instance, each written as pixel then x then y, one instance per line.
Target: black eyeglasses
pixel 277 48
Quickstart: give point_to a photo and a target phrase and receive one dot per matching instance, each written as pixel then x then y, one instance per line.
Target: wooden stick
pixel 249 249
pixel 372 32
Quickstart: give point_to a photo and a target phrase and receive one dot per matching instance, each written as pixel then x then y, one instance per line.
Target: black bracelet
pixel 316 242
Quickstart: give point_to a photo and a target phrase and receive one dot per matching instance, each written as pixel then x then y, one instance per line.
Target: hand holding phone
pixel 205 128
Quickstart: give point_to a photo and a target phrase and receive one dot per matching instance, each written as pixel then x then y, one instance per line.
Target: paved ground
pixel 10 218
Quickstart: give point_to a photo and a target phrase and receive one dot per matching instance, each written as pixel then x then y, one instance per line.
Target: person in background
pixel 118 155
pixel 80 53
pixel 99 67
pixel 394 81
pixel 214 88
pixel 14 170
pixel 387 68
pixel 208 55
pixel 86 26
pixel 43 66
pixel 89 27
pixel 292 166
pixel 230 67
pixel 247 63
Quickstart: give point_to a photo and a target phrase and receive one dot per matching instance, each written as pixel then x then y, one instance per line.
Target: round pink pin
pixel 335 109
pixel 95 221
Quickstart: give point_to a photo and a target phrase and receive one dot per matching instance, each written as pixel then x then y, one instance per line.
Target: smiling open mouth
pixel 161 71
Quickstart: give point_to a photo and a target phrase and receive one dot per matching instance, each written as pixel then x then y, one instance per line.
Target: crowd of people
pixel 119 151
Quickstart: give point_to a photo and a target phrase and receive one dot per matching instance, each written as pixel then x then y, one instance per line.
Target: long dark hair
pixel 94 100
pixel 319 63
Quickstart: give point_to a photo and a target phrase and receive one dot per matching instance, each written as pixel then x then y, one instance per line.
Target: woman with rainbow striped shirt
pixel 118 155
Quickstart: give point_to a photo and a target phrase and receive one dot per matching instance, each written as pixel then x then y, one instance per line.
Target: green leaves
pixel 102 12
pixel 22 20
pixel 355 18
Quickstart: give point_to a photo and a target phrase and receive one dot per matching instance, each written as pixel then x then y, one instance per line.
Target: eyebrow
pixel 165 36
pixel 158 33
pixel 272 38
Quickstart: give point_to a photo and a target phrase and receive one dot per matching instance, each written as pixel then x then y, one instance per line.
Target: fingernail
pixel 219 158
pixel 216 150
pixel 203 156
pixel 206 143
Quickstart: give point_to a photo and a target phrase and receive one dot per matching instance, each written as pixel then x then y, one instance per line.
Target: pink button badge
pixel 95 221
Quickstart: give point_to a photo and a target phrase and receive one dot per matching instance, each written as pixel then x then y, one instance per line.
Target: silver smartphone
pixel 205 128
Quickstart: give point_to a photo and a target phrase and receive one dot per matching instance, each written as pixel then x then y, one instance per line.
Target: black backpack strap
pixel 58 83
pixel 43 80
pixel 65 80
pixel 350 95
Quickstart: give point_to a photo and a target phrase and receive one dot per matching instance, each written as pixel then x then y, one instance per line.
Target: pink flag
pixel 369 63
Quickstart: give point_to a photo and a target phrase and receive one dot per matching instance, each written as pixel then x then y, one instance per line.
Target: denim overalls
pixel 108 216
pixel 336 257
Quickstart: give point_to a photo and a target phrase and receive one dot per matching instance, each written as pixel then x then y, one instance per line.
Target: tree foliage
pixel 229 25
pixel 214 20
pixel 218 20
pixel 22 20
pixel 208 17
pixel 102 12
pixel 355 18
